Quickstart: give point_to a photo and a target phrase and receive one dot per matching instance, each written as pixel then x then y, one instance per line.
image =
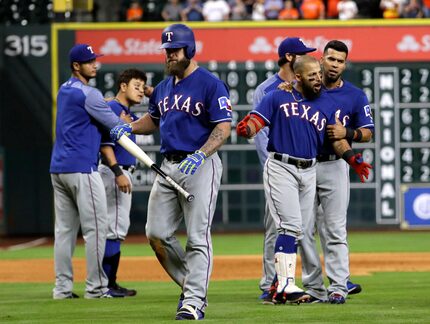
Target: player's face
pixel 88 69
pixel 311 80
pixel 333 63
pixel 176 62
pixel 134 91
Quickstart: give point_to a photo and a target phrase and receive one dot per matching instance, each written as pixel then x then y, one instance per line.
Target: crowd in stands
pixel 26 12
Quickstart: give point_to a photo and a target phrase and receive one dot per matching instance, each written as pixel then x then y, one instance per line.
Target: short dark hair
pixel 337 45
pixel 127 75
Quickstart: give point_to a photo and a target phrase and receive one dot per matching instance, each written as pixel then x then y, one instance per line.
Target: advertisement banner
pixel 416 213
pixel 366 44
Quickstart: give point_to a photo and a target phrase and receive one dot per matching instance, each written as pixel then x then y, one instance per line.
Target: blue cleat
pixel 353 288
pixel 189 312
pixel 336 298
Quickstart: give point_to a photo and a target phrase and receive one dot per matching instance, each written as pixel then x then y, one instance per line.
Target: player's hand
pixel 360 167
pixel 336 131
pixel 242 128
pixel 192 162
pixel 148 90
pixel 119 130
pixel 125 117
pixel 286 86
pixel 123 183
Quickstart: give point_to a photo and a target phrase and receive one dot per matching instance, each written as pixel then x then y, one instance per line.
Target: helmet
pixel 179 36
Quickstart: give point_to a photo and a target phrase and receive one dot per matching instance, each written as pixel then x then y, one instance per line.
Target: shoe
pixel 189 312
pixel 267 295
pixel 125 291
pixel 314 300
pixel 336 298
pixel 291 294
pixel 180 302
pixel 111 293
pixel 69 296
pixel 353 288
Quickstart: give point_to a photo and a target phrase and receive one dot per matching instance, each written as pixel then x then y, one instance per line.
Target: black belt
pixel 177 156
pixel 327 157
pixel 299 163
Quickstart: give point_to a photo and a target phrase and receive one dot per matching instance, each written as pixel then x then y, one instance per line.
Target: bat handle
pixel 189 197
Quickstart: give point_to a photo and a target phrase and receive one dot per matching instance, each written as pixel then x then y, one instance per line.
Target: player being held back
pixel 297 121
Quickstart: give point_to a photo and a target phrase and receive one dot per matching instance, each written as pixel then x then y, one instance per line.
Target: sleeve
pixel 258 95
pixel 153 110
pixel 264 108
pixel 362 112
pixel 218 103
pixel 97 107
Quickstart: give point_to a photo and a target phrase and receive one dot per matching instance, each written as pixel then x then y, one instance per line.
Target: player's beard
pixel 309 92
pixel 330 80
pixel 177 68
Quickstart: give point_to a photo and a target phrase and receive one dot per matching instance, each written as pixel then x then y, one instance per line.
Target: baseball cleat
pixel 336 298
pixel 353 288
pixel 72 295
pixel 121 290
pixel 189 312
pixel 314 300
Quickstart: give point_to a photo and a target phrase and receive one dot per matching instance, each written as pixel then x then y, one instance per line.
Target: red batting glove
pixel 360 167
pixel 242 128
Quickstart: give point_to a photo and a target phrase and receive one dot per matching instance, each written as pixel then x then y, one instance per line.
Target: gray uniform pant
pixel 190 268
pixel 333 197
pixel 79 199
pixel 118 204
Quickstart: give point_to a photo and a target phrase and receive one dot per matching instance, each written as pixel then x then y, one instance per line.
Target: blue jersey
pixel 296 125
pixel 352 109
pixel 261 138
pixel 121 154
pixel 81 113
pixel 188 111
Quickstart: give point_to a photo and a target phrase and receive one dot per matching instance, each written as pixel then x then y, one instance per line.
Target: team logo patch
pixel 224 103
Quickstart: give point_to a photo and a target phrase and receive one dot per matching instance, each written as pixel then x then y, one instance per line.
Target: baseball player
pixel 192 110
pixel 354 123
pixel 116 171
pixel 79 195
pixel 290 172
pixel 288 50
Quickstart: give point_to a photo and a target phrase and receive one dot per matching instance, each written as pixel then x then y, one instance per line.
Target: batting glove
pixel 360 167
pixel 192 162
pixel 119 130
pixel 242 128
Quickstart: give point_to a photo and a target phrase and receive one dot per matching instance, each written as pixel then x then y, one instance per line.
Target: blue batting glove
pixel 192 162
pixel 119 130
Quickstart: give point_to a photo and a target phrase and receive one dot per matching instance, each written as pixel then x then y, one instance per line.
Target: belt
pixel 177 156
pixel 327 157
pixel 129 168
pixel 299 163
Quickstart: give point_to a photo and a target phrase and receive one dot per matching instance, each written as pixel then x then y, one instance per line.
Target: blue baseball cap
pixel 293 45
pixel 82 53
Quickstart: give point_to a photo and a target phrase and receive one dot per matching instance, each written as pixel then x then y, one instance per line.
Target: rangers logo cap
pixel 293 45
pixel 82 53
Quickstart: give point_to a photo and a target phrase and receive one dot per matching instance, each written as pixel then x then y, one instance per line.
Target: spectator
pixel 216 10
pixel 332 12
pixel 426 8
pixel 347 9
pixel 313 9
pixel 289 12
pixel 134 12
pixel 258 11
pixel 390 9
pixel 272 9
pixel 412 10
pixel 368 9
pixel 238 11
pixel 193 11
pixel 172 11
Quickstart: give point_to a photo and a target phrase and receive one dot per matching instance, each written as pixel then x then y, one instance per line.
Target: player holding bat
pixel 192 110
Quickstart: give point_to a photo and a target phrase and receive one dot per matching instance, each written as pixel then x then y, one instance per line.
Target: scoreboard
pixel 400 152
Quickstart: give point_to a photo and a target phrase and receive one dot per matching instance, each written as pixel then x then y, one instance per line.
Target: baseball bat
pixel 139 154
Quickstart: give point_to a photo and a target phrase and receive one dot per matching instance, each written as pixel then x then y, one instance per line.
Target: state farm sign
pixel 367 44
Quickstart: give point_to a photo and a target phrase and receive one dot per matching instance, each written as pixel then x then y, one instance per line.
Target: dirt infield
pixel 225 267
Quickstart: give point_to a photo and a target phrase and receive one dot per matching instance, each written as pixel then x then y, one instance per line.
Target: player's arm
pixel 355 160
pixel 337 131
pixel 144 125
pixel 250 125
pixel 109 158
pixel 217 138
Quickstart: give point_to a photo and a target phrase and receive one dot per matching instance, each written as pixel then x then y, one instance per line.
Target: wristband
pixel 349 134
pixel 116 169
pixel 359 135
pixel 347 155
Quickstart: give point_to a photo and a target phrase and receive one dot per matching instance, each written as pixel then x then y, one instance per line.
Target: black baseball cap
pixel 293 45
pixel 82 53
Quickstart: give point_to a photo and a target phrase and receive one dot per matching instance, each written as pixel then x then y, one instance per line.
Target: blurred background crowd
pixel 24 12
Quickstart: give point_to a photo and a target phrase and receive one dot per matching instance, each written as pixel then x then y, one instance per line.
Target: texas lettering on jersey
pixel 180 103
pixel 292 109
